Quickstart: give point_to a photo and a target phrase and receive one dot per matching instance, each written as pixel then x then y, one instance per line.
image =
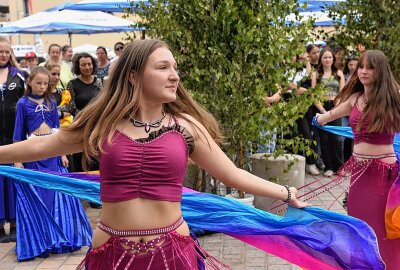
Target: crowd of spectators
pixel 331 67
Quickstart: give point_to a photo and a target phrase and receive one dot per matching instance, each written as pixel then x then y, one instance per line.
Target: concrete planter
pixel 274 169
pixel 248 199
pixel 221 189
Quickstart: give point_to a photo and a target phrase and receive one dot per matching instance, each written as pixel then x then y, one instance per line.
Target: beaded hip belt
pixel 361 156
pixel 126 233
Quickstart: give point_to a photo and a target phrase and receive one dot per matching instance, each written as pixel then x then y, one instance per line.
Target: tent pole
pixel 70 38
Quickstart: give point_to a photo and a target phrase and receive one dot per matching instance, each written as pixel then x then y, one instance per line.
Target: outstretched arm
pixel 41 147
pixel 209 156
pixel 343 109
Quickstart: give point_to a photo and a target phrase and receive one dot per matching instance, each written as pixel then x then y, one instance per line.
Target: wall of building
pixel 16 8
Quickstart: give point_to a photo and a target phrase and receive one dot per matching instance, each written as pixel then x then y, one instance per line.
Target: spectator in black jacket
pixel 12 85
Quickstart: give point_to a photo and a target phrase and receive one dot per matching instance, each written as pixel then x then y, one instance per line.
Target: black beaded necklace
pixel 148 126
pixel 364 99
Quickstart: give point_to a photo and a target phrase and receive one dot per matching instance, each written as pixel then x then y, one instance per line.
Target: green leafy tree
pixel 374 23
pixel 231 54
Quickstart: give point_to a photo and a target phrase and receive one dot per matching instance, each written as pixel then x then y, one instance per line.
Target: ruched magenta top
pixel 151 168
pixel 363 135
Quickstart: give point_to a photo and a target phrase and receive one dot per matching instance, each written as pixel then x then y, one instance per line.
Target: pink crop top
pixel 150 168
pixel 363 135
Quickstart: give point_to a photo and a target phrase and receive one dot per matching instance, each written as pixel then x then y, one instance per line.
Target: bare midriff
pixel 138 214
pixel 364 148
pixel 42 129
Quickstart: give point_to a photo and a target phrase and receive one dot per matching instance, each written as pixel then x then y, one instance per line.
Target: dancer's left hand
pixel 296 203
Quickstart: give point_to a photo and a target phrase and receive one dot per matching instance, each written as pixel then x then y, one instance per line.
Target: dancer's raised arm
pixel 343 109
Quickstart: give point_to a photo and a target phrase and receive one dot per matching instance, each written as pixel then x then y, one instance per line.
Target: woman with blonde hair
pixel 142 128
pixel 372 99
pixel 12 86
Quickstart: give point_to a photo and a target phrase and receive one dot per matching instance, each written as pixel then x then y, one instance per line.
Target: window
pixel 27 7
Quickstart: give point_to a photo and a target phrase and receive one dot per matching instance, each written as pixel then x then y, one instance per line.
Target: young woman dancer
pixel 372 100
pixel 65 226
pixel 143 127
pixel 333 80
pixel 37 116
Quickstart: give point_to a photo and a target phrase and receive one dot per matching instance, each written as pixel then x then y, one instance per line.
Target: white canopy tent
pixel 321 18
pixel 105 5
pixel 68 22
pixel 317 10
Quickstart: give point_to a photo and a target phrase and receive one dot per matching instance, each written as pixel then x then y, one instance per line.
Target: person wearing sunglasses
pixel 118 48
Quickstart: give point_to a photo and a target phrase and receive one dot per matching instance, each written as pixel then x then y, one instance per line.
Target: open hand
pixel 294 202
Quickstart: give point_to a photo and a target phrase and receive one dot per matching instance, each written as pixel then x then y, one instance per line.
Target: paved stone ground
pixel 229 250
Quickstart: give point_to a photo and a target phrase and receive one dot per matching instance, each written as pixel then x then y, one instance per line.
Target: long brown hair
pixel 384 99
pixel 120 99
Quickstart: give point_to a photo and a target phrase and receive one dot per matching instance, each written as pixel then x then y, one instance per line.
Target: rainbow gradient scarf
pixel 311 238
